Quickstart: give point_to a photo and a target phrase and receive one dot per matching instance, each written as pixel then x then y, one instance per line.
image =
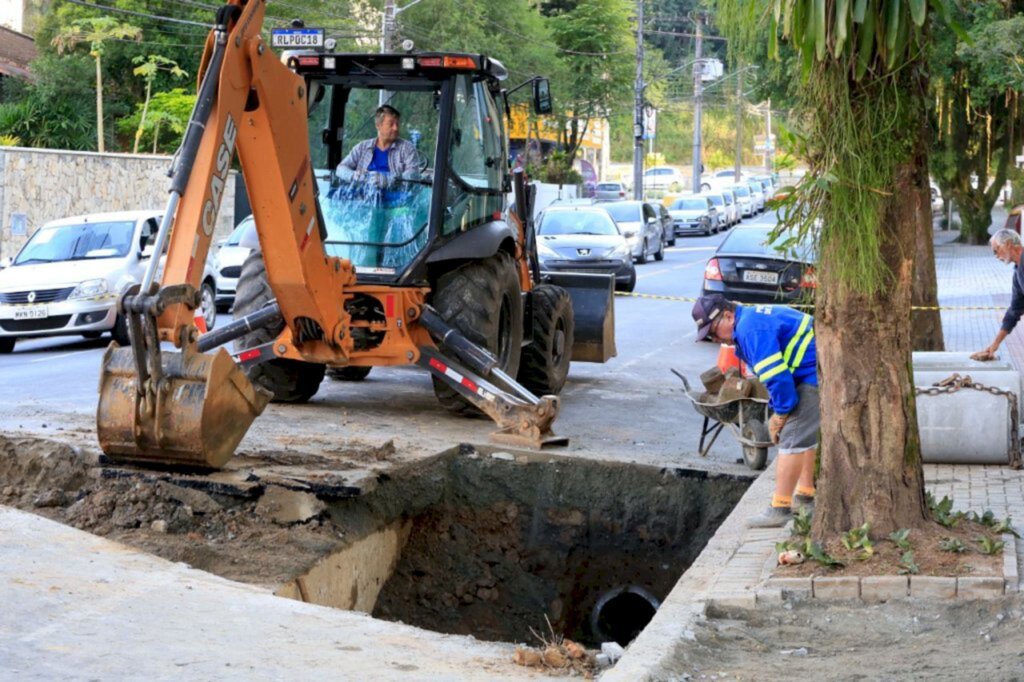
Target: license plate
pixel 297 37
pixel 36 312
pixel 757 277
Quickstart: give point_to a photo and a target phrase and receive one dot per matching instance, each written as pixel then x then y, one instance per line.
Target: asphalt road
pixel 631 408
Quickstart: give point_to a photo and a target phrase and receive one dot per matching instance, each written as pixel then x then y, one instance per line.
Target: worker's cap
pixel 705 311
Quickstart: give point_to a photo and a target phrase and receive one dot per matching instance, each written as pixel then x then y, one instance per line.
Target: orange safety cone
pixel 727 358
pixel 200 322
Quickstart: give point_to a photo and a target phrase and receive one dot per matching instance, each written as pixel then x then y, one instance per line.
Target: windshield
pixel 754 241
pixel 741 191
pixel 236 235
pixel 624 213
pixel 690 205
pixel 375 202
pixel 716 199
pixel 78 242
pixel 577 222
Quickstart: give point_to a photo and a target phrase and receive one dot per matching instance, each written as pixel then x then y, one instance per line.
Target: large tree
pixel 976 118
pixel 862 104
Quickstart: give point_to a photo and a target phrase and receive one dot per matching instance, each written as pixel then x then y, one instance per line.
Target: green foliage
pixel 952 545
pixel 815 551
pixel 943 511
pixel 165 122
pixel 557 169
pixel 990 546
pixel 907 564
pixel 10 141
pixel 859 539
pixel 802 519
pixel 48 112
pixel 1005 526
pixel 901 537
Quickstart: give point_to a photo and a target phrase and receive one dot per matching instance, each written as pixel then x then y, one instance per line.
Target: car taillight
pixel 810 279
pixel 712 271
pixel 622 194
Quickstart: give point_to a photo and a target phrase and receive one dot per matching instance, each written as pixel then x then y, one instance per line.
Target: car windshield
pixel 78 242
pixel 576 222
pixel 741 191
pixel 716 199
pixel 755 242
pixel 624 213
pixel 690 205
pixel 756 187
pixel 236 235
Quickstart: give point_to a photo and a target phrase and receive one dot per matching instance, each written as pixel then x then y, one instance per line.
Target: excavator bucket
pixel 201 407
pixel 593 310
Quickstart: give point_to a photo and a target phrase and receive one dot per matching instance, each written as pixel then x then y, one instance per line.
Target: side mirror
pixel 542 96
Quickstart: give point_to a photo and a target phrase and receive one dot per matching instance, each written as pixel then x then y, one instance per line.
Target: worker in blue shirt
pixel 1006 246
pixel 777 343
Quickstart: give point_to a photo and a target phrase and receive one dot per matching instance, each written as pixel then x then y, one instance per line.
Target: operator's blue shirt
pixel 1016 309
pixel 777 343
pixel 379 162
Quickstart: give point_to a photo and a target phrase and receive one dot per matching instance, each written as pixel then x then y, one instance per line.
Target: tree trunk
pixel 926 330
pixel 142 119
pixel 99 106
pixel 975 216
pixel 871 460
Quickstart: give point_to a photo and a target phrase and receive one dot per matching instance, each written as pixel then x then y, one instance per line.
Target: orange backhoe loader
pixel 347 272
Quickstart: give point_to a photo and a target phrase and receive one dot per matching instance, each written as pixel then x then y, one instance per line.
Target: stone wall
pixel 39 185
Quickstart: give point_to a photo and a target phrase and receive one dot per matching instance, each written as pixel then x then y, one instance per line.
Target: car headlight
pixel 90 288
pixel 545 251
pixel 620 251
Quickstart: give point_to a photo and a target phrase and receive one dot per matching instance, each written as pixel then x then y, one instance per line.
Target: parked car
pixel 638 221
pixel 727 215
pixel 610 191
pixel 743 200
pixel 732 206
pixel 757 195
pixel 936 195
pixel 668 233
pixel 69 275
pixel 584 239
pixel 230 257
pixel 746 268
pixel 663 178
pixel 694 214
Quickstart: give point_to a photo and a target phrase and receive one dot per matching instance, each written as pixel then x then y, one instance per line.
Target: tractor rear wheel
pixel 545 362
pixel 481 300
pixel 291 381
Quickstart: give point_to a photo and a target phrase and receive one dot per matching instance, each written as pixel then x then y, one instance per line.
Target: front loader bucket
pixel 593 307
pixel 203 407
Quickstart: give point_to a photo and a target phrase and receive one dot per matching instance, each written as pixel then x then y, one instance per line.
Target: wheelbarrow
pixel 746 418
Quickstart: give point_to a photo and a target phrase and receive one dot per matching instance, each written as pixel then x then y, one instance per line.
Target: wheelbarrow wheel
pixel 755 457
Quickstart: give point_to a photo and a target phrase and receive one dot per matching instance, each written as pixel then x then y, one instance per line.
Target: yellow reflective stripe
pixel 796 338
pixel 779 369
pixel 767 361
pixel 803 349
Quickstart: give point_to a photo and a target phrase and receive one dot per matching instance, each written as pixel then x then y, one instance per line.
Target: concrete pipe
pixel 621 613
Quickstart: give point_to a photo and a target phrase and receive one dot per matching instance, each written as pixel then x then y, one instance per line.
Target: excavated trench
pixel 470 541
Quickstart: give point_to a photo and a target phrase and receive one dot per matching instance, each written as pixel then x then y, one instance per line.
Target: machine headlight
pixel 90 288
pixel 545 251
pixel 620 251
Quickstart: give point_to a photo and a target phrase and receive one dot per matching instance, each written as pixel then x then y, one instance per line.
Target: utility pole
pixel 768 147
pixel 638 107
pixel 739 126
pixel 698 93
pixel 387 29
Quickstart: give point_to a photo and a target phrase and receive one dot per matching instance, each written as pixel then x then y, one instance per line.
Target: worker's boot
pixel 772 517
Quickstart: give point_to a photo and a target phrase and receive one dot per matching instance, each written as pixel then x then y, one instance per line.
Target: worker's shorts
pixel 800 432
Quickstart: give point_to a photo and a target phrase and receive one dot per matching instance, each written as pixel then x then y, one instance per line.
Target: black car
pixel 746 268
pixel 584 239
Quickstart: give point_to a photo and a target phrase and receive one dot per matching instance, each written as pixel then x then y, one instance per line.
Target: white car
pixel 726 206
pixel 663 178
pixel 744 200
pixel 230 257
pixel 641 226
pixel 69 275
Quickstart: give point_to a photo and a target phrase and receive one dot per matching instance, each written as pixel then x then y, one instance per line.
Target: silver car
pixel 69 276
pixel 610 191
pixel 727 215
pixel 640 225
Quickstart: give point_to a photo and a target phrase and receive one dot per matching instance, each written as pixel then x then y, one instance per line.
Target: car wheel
pixel 672 242
pixel 631 284
pixel 659 255
pixel 7 344
pixel 120 331
pixel 705 187
pixel 208 304
pixel 642 258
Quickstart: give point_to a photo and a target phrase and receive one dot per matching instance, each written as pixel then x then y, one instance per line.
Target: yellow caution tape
pixel 687 299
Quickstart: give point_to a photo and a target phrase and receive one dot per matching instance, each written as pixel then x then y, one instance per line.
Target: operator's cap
pixel 705 311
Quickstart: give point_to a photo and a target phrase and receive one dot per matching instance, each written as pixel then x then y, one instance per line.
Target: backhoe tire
pixel 481 300
pixel 291 381
pixel 545 361
pixel 350 373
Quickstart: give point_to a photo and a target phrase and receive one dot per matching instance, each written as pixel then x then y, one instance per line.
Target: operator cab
pixel 450 154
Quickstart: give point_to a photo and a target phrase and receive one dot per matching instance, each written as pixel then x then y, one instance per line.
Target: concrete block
pixel 1011 580
pixel 731 601
pixel 978 587
pixel 768 596
pixel 838 588
pixel 932 587
pixel 791 587
pixel 884 588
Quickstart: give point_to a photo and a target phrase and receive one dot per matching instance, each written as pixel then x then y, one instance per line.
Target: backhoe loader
pixel 427 268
